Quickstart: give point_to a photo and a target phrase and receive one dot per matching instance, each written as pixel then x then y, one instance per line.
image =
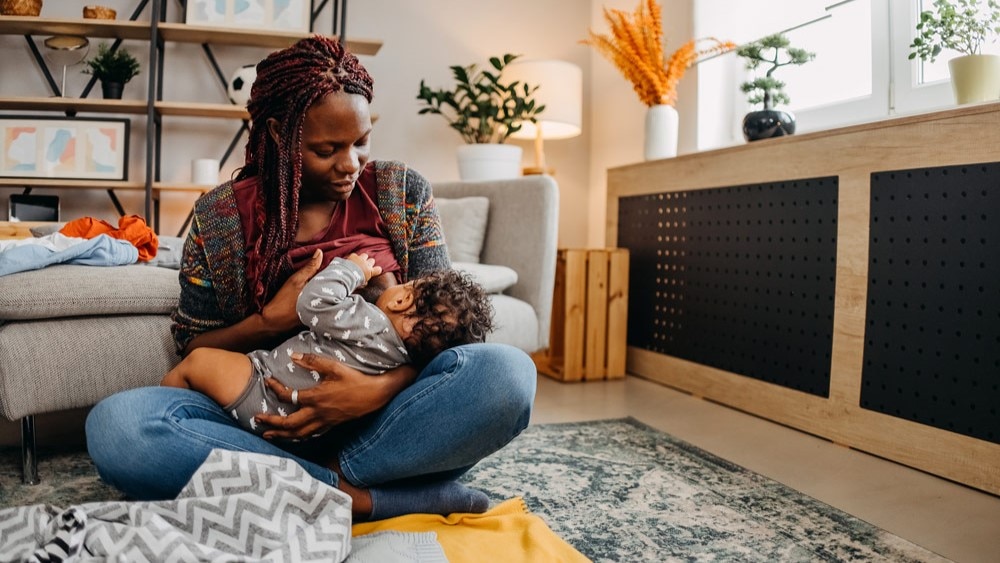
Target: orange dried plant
pixel 635 46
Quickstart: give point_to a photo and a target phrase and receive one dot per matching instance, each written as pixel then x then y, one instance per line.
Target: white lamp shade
pixel 560 90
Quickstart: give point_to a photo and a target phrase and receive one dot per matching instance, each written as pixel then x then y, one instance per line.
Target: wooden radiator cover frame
pixel 966 135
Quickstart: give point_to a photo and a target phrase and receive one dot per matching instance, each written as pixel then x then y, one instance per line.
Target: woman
pixel 403 437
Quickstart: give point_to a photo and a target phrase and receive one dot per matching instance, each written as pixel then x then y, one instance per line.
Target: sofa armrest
pixel 522 234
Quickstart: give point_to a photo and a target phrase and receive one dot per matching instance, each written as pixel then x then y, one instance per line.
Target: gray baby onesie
pixel 341 325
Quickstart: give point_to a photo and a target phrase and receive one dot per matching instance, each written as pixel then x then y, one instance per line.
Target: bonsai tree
pixel 112 65
pixel 481 107
pixel 774 51
pixel 958 25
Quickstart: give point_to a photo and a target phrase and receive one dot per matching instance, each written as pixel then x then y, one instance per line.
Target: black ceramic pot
pixel 112 90
pixel 767 123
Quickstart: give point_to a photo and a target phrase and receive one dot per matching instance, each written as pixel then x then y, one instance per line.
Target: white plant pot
pixel 487 161
pixel 661 132
pixel 975 78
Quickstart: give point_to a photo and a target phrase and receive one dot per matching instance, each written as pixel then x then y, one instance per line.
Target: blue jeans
pixel 466 404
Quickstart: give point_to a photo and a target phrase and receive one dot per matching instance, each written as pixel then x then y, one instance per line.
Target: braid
pixel 288 82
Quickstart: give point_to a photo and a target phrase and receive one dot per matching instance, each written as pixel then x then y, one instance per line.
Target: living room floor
pixel 953 520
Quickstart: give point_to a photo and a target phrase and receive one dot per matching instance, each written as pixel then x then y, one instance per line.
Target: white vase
pixel 661 132
pixel 975 78
pixel 488 161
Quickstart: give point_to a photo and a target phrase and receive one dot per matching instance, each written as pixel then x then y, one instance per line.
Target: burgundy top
pixel 356 226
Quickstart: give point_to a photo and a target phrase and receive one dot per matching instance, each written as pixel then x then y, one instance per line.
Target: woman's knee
pixel 499 378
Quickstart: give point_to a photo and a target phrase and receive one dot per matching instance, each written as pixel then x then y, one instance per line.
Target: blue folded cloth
pixel 101 250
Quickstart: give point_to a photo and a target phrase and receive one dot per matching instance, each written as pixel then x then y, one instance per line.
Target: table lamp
pixel 560 90
pixel 67 51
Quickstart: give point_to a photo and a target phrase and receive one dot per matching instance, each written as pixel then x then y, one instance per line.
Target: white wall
pixel 420 40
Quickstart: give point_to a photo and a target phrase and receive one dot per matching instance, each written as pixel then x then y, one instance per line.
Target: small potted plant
pixel 114 68
pixel 962 26
pixel 485 111
pixel 774 51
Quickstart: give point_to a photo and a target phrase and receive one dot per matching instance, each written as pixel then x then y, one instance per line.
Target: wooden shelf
pixel 111 29
pixel 142 31
pixel 184 33
pixel 20 229
pixel 62 183
pixel 96 105
pixel 197 109
pixel 178 187
pixel 178 32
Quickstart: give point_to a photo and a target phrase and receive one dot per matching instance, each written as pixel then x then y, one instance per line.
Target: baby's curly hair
pixel 452 310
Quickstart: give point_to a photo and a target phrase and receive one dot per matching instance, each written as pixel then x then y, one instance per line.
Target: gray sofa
pixel 72 335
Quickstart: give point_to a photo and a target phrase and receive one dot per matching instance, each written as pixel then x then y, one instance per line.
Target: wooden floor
pixel 950 519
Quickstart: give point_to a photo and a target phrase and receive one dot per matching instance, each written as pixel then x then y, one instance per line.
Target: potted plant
pixel 635 46
pixel 485 111
pixel 774 51
pixel 114 68
pixel 962 26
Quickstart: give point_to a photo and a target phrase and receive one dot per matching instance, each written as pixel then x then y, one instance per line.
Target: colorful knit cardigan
pixel 214 288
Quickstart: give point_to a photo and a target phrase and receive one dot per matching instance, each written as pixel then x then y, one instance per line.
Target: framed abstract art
pixel 57 147
pixel 287 15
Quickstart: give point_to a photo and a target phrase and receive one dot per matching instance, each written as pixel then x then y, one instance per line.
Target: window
pixel 861 71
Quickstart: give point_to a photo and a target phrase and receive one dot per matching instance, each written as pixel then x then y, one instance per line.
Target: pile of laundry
pixel 86 241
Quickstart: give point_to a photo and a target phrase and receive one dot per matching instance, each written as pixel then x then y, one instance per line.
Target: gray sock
pixel 444 497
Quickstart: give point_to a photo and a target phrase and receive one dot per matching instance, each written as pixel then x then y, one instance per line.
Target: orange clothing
pixel 131 228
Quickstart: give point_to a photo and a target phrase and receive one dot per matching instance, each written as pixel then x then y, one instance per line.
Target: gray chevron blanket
pixel 237 507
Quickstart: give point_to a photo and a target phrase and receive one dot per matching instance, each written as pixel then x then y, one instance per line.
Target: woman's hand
pixel 279 315
pixel 342 394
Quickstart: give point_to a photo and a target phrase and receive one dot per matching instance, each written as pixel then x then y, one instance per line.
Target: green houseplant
pixel 114 68
pixel 962 26
pixel 485 110
pixel 774 52
pixel 481 107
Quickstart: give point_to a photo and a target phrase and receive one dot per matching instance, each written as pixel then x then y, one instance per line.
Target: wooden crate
pixel 589 314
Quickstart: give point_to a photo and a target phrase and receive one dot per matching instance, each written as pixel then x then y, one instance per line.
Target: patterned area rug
pixel 616 490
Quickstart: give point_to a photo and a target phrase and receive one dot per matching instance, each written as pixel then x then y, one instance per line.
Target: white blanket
pixel 237 507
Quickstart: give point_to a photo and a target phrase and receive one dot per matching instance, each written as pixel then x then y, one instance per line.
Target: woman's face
pixel 335 147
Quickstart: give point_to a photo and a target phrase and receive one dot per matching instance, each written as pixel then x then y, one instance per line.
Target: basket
pixel 20 7
pixel 99 13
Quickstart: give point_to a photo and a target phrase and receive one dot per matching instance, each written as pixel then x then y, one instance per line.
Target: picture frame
pixel 284 15
pixel 78 148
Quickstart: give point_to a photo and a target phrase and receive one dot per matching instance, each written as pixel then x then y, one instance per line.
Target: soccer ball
pixel 240 83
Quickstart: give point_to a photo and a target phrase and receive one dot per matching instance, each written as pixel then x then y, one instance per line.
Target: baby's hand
pixel 367 265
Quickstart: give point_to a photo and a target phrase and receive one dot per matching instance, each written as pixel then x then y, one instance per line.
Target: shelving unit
pixel 157 32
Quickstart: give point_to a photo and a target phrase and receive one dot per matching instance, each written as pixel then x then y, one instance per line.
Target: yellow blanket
pixel 508 532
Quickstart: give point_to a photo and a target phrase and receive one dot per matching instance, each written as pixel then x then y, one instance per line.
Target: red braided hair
pixel 288 82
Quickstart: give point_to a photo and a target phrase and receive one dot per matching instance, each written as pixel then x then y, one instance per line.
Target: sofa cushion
pixel 516 323
pixel 494 279
pixel 464 223
pixel 72 291
pixel 58 364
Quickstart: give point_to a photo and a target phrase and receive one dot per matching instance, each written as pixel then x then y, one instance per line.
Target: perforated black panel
pixel 932 340
pixel 739 278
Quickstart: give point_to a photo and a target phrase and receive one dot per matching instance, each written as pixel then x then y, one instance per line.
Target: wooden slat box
pixel 589 315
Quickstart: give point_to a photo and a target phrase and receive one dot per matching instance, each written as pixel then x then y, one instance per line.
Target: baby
pixel 410 323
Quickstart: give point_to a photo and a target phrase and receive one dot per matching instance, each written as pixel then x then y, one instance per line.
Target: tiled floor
pixel 955 521
pixel 950 519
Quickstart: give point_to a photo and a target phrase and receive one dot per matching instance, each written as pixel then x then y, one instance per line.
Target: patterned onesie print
pixel 340 325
